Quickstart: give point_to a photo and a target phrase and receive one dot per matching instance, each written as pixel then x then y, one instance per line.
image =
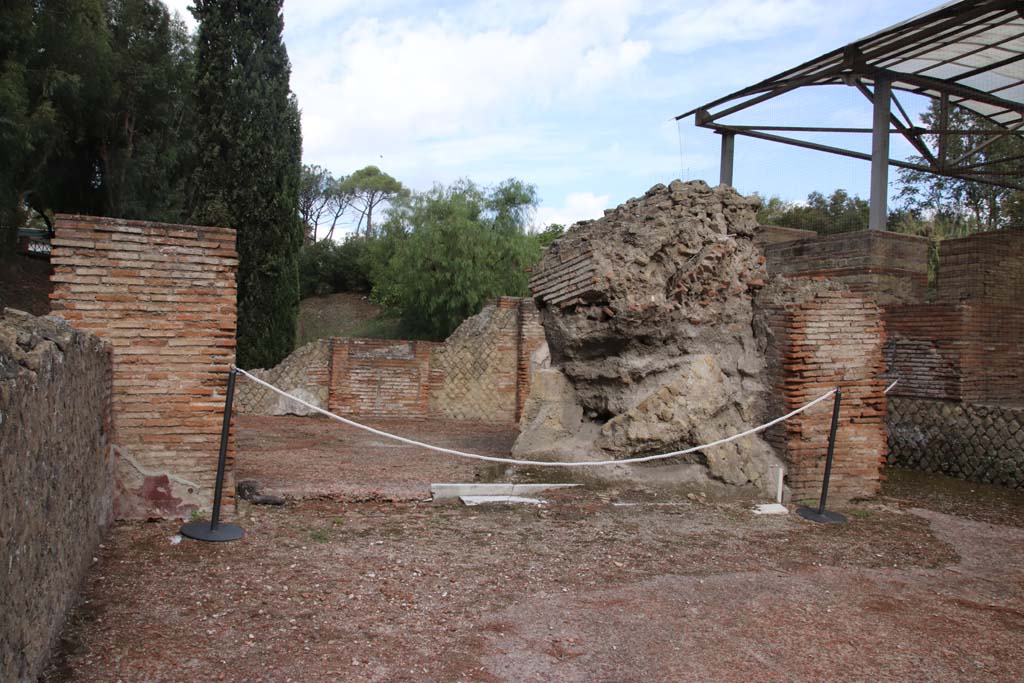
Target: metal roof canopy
pixel 968 53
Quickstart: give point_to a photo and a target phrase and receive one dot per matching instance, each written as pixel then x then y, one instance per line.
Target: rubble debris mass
pixel 650 320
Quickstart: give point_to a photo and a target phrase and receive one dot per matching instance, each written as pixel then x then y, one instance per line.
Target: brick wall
pixel 530 338
pixel 163 297
pixel 924 349
pixel 481 372
pixel 381 377
pixel 830 339
pixel 483 368
pixel 988 266
pixel 960 365
pixel 56 479
pixel 968 345
pixel 893 268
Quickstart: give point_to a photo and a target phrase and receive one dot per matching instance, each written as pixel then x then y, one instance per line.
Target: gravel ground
pixel 596 585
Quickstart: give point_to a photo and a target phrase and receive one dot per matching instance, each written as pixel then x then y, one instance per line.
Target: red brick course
pixel 380 377
pixel 831 339
pixel 163 297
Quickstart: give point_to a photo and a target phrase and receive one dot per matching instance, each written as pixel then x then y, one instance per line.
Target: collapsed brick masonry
pixel 163 297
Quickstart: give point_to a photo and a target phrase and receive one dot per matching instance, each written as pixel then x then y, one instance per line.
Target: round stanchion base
pixel 203 531
pixel 825 517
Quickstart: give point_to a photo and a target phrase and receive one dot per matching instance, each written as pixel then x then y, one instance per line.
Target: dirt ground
pixel 923 584
pixel 302 457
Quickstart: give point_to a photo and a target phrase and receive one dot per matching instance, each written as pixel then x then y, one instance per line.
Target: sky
pixel 575 97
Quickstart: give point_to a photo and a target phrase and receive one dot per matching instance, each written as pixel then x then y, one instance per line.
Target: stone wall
pixel 163 296
pixel 483 369
pixel 892 268
pixel 830 339
pixel 56 479
pixel 481 372
pixel 924 349
pixel 983 443
pixel 306 373
pixel 959 358
pixel 988 266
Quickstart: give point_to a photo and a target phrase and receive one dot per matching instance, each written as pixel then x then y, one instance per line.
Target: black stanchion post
pixel 214 530
pixel 820 515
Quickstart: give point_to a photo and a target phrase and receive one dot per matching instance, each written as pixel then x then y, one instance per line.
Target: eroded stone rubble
pixel 656 342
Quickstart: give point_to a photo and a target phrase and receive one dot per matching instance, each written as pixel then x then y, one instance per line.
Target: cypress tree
pixel 249 161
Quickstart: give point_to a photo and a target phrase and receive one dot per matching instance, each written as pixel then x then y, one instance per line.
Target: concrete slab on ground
pixel 447 491
pixel 500 500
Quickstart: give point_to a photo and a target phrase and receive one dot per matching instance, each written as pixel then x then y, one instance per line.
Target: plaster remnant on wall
pixel 145 493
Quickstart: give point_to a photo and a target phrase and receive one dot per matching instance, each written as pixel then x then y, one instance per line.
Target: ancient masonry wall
pixel 892 268
pixel 971 441
pixel 831 339
pixel 56 479
pixel 959 356
pixel 483 368
pixel 380 377
pixel 481 372
pixel 306 373
pixel 960 362
pixel 163 297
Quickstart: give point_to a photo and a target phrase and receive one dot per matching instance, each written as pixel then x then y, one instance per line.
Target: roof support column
pixel 880 155
pixel 728 153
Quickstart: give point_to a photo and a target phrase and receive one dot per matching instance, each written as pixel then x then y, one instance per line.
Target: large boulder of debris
pixel 650 322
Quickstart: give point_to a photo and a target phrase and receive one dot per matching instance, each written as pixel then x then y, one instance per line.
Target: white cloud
pixel 578 206
pixel 380 86
pixel 731 21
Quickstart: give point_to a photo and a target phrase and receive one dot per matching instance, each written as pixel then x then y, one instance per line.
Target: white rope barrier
pixel 540 463
pixel 889 388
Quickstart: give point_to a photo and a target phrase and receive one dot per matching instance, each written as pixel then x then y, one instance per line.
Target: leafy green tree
pixel 369 188
pixel 322 201
pixel 145 146
pixel 249 147
pixel 453 249
pixel 54 86
pixel 548 235
pixel 956 201
pixel 96 107
pixel 327 266
pixel 839 212
pixel 23 123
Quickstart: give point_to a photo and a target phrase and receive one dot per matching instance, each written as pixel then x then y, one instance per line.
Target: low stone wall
pixel 380 377
pixel 983 443
pixel 306 373
pixel 481 372
pixel 56 479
